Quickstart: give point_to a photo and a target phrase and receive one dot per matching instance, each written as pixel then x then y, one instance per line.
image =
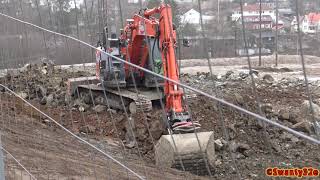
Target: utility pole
pixel 277 35
pixel 260 35
pixel 218 11
pixel 2 173
pixel 121 16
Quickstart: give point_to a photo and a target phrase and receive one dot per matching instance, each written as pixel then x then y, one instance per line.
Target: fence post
pixel 2 175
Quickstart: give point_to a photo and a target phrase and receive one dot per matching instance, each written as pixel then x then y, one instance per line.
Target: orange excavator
pixel 150 42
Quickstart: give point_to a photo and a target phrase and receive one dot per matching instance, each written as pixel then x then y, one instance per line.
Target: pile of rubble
pixel 237 88
pixel 43 82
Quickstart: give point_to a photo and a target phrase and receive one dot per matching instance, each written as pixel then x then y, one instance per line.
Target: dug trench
pixel 248 149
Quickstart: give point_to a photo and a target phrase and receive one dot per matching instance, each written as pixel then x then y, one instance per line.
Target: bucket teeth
pixel 186 127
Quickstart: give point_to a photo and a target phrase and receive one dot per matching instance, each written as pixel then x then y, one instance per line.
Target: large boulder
pixel 268 78
pixel 306 110
pixel 99 108
pixel 22 95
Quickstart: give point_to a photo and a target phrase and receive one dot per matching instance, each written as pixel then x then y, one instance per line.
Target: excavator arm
pixel 178 116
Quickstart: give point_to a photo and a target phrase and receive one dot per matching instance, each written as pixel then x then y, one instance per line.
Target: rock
pixel 254 72
pixel 130 144
pixel 83 107
pixel 112 111
pixel 120 119
pixel 306 111
pixel 242 147
pixel 239 147
pixel 43 101
pixel 22 95
pixel 267 108
pixel 239 99
pixel 218 145
pixel 77 103
pixel 99 108
pixel 284 114
pixel 50 99
pixel 88 129
pixel 253 175
pixel 130 130
pixel 294 139
pixel 285 69
pixel 56 81
pixel 240 156
pixel 289 137
pixel 47 122
pixel 229 73
pixel 268 78
pixel 47 100
pixel 276 146
pixel 156 129
pixel 141 133
pixel 25 68
pixel 41 91
pixel 303 126
pixel 44 70
pixel 218 162
pixel 243 75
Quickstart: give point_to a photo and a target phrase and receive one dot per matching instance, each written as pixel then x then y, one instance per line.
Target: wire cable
pixel 175 82
pixel 16 160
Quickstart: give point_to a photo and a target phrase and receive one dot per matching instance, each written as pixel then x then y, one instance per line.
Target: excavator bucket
pixel 190 152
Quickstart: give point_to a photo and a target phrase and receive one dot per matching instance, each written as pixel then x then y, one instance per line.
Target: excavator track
pixel 142 103
pixel 132 101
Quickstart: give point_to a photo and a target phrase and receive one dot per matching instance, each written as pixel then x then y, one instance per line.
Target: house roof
pixel 313 18
pixel 255 7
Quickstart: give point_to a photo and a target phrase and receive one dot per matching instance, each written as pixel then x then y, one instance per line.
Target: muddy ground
pixel 282 98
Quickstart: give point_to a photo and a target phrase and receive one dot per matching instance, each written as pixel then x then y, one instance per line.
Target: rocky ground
pixel 251 148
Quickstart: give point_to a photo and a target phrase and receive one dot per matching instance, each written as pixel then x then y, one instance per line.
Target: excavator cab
pixel 111 71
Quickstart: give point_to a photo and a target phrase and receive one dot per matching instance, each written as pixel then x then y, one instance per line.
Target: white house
pixel 309 24
pixel 253 10
pixel 184 1
pixel 135 1
pixel 193 17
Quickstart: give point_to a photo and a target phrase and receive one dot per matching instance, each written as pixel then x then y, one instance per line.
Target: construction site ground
pixel 39 143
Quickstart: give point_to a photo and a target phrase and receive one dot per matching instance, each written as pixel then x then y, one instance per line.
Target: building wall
pixel 237 14
pixel 193 17
pixel 305 26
